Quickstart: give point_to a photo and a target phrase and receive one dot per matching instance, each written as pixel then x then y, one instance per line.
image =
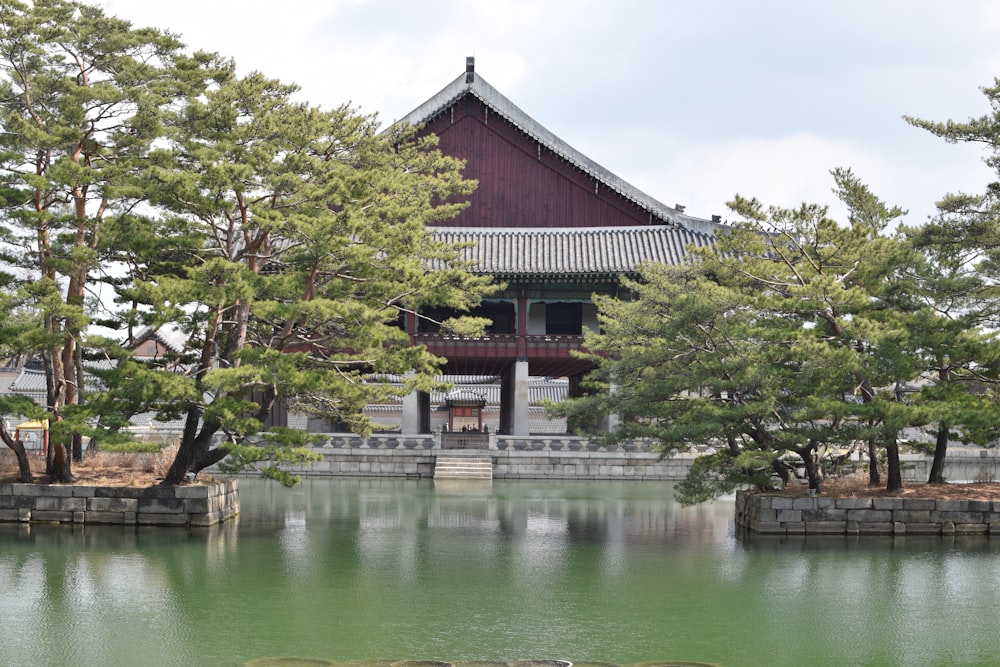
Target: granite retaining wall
pixel 188 505
pixel 507 464
pixel 769 514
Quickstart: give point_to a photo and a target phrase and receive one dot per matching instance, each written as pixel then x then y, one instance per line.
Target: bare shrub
pixel 142 468
pixel 162 459
pixel 849 484
pixel 130 468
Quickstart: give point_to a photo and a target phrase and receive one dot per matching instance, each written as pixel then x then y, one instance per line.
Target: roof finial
pixel 470 69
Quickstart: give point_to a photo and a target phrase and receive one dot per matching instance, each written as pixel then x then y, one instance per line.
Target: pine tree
pixel 83 96
pixel 956 282
pixel 295 240
pixel 778 345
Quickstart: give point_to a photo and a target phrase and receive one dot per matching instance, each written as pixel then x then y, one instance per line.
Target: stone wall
pixel 769 514
pixel 507 464
pixel 607 465
pixel 190 505
pixel 337 462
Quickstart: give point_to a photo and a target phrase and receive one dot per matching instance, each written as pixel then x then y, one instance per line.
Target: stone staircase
pixel 452 466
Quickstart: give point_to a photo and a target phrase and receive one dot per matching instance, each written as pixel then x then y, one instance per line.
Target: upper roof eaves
pixel 570 251
pixel 470 83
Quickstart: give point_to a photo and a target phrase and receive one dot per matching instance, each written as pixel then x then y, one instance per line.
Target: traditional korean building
pixel 553 225
pixel 546 220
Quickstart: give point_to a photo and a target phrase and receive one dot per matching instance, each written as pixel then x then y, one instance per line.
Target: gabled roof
pixel 570 252
pixel 471 83
pixel 30 382
pixel 169 335
pixel 465 397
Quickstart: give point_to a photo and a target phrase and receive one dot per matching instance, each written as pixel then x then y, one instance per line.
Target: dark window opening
pixel 564 319
pixel 502 316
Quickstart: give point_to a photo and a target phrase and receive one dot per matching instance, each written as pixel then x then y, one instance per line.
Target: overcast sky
pixel 691 101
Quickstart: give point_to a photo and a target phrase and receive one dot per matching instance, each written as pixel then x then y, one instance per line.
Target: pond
pixel 349 570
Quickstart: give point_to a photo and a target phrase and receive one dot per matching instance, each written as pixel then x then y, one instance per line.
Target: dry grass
pixel 856 485
pixel 102 468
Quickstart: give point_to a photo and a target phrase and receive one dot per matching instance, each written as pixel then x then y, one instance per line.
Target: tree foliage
pixel 793 342
pixel 144 186
pixel 306 237
pixel 83 98
pixel 961 245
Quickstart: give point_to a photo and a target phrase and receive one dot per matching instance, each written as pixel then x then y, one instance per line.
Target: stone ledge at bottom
pixel 770 514
pixel 191 505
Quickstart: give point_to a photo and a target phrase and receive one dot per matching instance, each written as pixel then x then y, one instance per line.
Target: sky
pixel 690 101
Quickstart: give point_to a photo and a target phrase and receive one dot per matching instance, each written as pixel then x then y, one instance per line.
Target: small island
pixel 848 508
pixel 120 489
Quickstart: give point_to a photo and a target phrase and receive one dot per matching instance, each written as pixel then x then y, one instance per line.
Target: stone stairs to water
pixel 463 467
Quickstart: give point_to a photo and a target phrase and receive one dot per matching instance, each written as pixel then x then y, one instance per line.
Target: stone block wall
pixel 190 505
pixel 349 462
pixel 507 464
pixel 588 465
pixel 770 514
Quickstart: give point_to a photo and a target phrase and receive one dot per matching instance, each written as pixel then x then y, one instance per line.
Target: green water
pixel 613 572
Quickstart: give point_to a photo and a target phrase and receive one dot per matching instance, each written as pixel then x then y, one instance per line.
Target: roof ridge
pixel 571 231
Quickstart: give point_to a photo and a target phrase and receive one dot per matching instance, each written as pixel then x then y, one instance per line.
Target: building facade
pixel 552 225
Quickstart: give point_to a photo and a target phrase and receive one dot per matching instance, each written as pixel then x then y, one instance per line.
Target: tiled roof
pixel 465 396
pixel 29 381
pixel 168 334
pixel 570 251
pixel 471 83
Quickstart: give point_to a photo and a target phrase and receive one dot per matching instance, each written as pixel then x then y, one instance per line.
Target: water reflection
pixel 618 573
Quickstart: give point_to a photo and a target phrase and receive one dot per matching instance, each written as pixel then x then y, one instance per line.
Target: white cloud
pixel 790 170
pixel 691 102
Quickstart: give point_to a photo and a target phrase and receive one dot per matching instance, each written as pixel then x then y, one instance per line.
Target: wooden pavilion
pixel 553 225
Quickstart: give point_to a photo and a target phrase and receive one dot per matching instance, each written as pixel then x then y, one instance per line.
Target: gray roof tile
pixel 571 251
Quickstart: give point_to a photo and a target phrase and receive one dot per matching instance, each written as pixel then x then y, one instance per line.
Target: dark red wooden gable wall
pixel 521 184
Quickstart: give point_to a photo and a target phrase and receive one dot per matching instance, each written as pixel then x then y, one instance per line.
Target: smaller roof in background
pixel 465 397
pixel 30 382
pixel 169 335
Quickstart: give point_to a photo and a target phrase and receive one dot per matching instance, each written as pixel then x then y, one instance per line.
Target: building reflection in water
pixel 533 524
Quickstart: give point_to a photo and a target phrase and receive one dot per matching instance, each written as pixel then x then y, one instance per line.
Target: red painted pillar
pixel 410 322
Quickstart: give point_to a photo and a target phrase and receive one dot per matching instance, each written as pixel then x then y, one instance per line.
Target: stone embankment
pixel 769 514
pixel 189 505
pixel 507 465
pixel 522 457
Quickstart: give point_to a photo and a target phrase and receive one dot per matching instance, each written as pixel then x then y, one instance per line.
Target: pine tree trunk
pixel 77 447
pixel 814 472
pixel 874 478
pixel 894 473
pixel 23 465
pixel 194 448
pixel 62 470
pixel 186 452
pixel 940 452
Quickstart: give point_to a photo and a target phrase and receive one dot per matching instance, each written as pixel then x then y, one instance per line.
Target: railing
pixel 552 344
pixel 546 345
pixel 488 345
pixel 465 440
pixel 428 441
